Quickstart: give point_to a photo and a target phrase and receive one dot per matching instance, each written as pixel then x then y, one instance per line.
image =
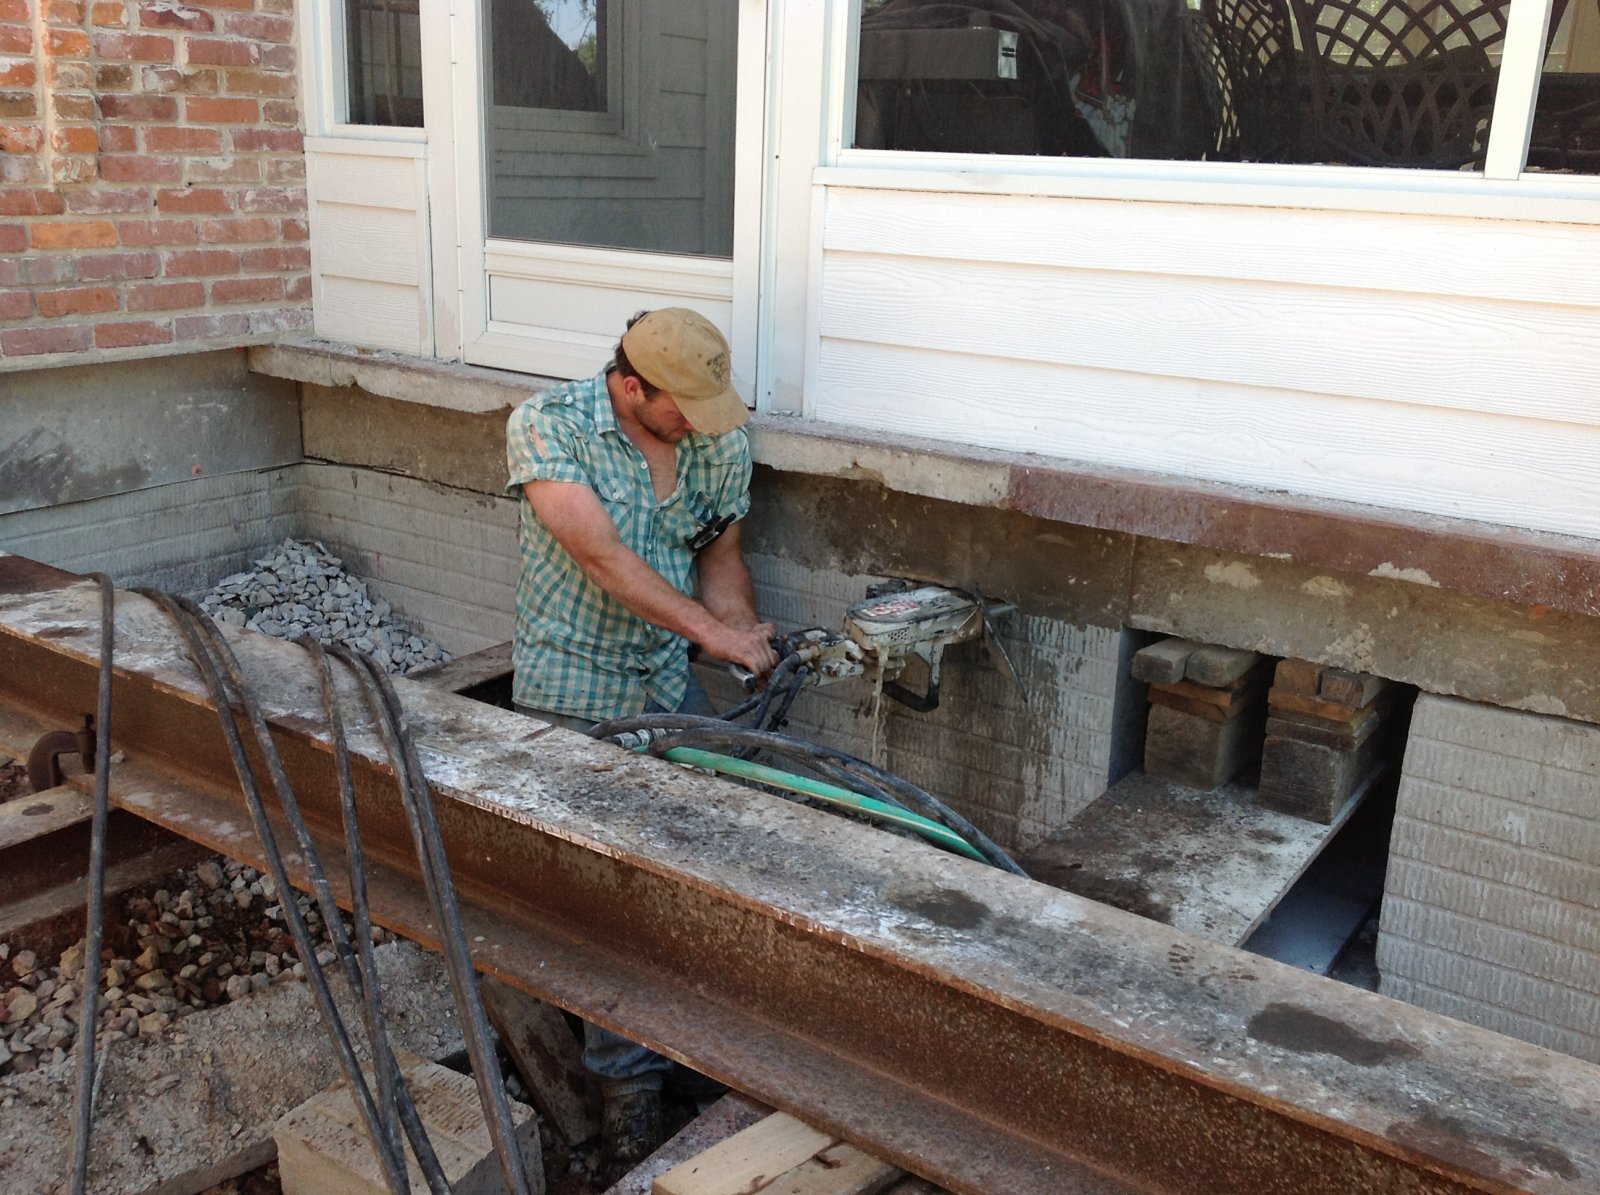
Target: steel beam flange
pixel 980 1029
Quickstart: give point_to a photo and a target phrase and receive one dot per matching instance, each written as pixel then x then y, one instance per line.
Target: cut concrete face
pixel 1489 910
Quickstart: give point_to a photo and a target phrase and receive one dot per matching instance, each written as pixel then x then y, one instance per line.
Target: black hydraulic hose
pixel 780 716
pixel 94 912
pixel 775 681
pixel 202 640
pixel 418 801
pixel 691 730
pixel 394 1098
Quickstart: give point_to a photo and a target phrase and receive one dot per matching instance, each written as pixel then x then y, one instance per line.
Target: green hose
pixel 832 794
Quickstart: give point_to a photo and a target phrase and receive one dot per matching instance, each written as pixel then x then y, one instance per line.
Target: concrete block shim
pixel 224 1077
pixel 323 1148
pixel 1489 911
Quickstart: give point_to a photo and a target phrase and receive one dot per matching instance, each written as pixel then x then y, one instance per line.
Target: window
pixel 383 42
pixel 1388 83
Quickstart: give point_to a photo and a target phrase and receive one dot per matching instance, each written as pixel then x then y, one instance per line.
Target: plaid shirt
pixel 577 650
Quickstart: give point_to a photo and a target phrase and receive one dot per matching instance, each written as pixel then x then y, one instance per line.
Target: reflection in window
pixel 1566 118
pixel 1356 82
pixel 550 54
pixel 384 69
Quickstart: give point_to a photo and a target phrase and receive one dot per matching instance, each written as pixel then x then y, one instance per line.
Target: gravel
pixel 301 589
pixel 215 934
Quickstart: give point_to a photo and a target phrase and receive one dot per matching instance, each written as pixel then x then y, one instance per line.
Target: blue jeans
pixel 619 1063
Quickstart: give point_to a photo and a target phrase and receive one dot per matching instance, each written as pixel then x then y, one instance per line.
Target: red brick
pixel 281 319
pixel 37 271
pixel 139 107
pixel 69 76
pixel 280 141
pixel 64 12
pixel 109 13
pixel 224 169
pixel 191 262
pixel 64 170
pixel 276 258
pixel 294 230
pixel 194 200
pixel 259 28
pixel 20 138
pixel 165 296
pixel 201 110
pixel 272 199
pixel 85 300
pixel 235 232
pixel 182 140
pixel 73 107
pixel 18 105
pixel 16 39
pixel 280 112
pixel 201 327
pixel 19 74
pixel 266 83
pixel 278 58
pixel 278 6
pixel 76 139
pixel 247 290
pixel 220 51
pixel 16 304
pixel 134 47
pixel 119 267
pixel 14 237
pixel 31 203
pixel 87 234
pixel 135 168
pixel 15 10
pixel 118 139
pixel 166 16
pixel 19 171
pixel 66 43
pixel 144 233
pixel 285 170
pixel 131 333
pixel 299 288
pixel 171 78
pixel 113 76
pixel 32 342
pixel 104 200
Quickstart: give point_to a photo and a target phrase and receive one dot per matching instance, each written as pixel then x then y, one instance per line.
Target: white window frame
pixel 1503 189
pixel 325 81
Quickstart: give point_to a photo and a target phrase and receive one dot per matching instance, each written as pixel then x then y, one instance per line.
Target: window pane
pixel 611 123
pixel 1353 82
pixel 385 62
pixel 1566 119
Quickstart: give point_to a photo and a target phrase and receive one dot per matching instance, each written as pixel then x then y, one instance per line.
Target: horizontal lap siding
pixel 1435 364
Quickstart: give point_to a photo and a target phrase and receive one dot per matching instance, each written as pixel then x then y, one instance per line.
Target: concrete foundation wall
pixel 1492 903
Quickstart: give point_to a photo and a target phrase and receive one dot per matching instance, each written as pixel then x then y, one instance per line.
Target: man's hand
pixel 750 649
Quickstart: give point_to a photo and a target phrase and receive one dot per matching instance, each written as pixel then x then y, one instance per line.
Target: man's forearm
pixel 628 578
pixel 725 585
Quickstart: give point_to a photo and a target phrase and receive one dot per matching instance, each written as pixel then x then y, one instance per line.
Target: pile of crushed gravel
pixel 300 588
pixel 216 933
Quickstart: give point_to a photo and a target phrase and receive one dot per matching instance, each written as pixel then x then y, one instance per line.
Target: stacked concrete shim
pixel 1206 707
pixel 1326 732
pixel 1491 908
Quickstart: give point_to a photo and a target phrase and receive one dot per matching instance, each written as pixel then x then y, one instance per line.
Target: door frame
pixel 732 291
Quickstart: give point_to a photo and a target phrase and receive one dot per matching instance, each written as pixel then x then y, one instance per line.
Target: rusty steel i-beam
pixel 984 1031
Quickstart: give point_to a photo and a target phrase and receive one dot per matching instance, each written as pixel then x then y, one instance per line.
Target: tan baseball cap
pixel 681 352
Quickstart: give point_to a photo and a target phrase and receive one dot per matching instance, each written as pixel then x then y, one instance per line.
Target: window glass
pixel 1352 82
pixel 1566 118
pixel 550 54
pixel 384 39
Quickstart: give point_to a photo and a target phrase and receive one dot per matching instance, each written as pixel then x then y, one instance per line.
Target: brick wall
pixel 152 178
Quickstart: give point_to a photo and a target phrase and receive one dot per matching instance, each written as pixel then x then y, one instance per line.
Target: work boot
pixel 632 1128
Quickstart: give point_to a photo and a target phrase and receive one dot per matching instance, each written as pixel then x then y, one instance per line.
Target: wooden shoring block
pixel 1312 780
pixel 778 1154
pixel 1351 688
pixel 1223 698
pixel 1220 667
pixel 547 1056
pixel 1297 676
pixel 1162 662
pixel 1314 730
pixel 1332 712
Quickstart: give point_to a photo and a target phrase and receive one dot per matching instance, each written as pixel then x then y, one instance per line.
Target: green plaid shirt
pixel 577 650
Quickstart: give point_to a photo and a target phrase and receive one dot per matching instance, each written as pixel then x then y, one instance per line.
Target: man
pixel 633 484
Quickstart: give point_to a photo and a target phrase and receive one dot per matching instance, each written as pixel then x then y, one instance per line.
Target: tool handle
pixel 747 679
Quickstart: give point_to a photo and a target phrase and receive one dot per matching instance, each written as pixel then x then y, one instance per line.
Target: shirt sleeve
pixel 541 445
pixel 736 490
